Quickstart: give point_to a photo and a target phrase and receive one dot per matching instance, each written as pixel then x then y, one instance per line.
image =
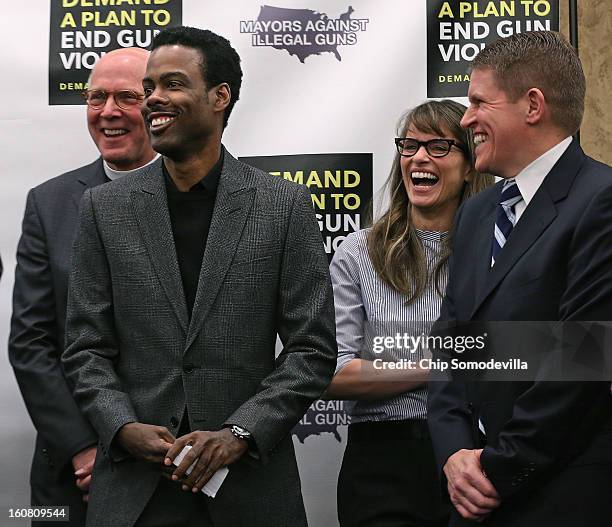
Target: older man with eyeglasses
pixel 65 445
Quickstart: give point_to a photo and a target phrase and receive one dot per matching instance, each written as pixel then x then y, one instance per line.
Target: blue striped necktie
pixel 506 217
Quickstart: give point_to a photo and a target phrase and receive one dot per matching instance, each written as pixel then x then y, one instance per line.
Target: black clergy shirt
pixel 190 215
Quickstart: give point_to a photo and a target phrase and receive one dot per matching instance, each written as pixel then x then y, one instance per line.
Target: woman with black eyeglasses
pixel 388 286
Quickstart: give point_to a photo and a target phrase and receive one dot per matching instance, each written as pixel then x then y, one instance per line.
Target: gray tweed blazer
pixel 134 355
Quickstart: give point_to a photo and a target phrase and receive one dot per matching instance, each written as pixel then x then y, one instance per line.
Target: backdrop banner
pixel 325 84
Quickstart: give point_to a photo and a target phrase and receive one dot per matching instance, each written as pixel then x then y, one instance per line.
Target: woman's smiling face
pixel 434 184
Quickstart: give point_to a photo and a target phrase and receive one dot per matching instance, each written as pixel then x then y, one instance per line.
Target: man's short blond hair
pixel 543 60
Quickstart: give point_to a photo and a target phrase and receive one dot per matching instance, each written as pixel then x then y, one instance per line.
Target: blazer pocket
pixel 249 262
pixel 254 268
pixel 529 286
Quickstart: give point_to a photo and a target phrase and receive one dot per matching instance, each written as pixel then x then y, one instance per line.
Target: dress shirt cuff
pixel 343 359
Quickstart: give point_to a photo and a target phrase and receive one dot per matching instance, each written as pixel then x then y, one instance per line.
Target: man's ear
pixel 222 96
pixel 537 106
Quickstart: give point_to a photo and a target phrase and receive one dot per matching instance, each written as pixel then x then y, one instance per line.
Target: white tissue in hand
pixel 212 486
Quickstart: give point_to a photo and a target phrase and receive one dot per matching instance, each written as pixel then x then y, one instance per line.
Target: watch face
pixel 240 432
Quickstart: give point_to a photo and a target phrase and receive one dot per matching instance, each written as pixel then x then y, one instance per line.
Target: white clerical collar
pixel 112 174
pixel 531 177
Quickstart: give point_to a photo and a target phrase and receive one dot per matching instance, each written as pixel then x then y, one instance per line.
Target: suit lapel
pixel 91 176
pixel 536 218
pixel 153 217
pixel 483 247
pixel 232 206
pixel 534 221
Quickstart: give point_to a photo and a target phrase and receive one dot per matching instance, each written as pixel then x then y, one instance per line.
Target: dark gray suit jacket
pixel 37 334
pixel 134 355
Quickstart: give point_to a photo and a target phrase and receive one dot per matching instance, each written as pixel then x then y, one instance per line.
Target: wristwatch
pixel 241 433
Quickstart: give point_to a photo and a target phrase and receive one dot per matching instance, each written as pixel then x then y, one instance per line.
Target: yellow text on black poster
pixel 340 186
pixel 81 31
pixel 457 31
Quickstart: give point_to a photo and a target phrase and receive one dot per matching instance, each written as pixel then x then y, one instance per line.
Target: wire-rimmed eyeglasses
pixel 125 99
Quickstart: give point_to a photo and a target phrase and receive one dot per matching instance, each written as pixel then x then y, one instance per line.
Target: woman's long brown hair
pixel 393 245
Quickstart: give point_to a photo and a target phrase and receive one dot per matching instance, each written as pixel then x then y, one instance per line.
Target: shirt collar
pixel 434 236
pixel 113 174
pixel 208 183
pixel 531 177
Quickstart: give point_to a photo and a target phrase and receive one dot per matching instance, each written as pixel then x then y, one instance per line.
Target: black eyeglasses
pixel 407 147
pixel 125 99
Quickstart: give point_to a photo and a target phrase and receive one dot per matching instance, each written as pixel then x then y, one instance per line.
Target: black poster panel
pixel 81 31
pixel 458 30
pixel 340 185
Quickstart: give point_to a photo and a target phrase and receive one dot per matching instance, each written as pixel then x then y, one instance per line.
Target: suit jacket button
pixel 188 368
pixel 174 422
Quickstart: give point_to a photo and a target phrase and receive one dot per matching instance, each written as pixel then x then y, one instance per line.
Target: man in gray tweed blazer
pixel 182 279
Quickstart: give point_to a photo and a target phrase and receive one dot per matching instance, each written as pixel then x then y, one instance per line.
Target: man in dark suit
pixel 65 444
pixel 182 280
pixel 535 247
